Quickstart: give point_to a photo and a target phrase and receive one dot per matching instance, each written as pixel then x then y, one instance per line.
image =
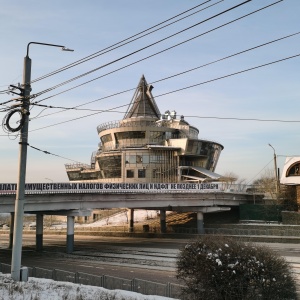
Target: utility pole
pixel 20 193
pixel 276 172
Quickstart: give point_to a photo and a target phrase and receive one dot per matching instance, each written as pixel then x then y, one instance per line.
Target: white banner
pixel 113 187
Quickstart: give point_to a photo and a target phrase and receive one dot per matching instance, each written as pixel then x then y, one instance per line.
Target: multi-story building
pixel 147 146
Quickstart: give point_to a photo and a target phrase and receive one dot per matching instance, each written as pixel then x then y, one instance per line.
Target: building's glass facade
pixel 147 146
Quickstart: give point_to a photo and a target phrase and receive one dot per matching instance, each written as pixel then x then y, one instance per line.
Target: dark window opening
pixel 130 135
pixel 111 166
pixel 106 138
pixel 141 173
pixel 130 173
pixel 294 170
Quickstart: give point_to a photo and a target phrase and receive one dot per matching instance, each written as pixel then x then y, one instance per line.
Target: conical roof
pixel 142 103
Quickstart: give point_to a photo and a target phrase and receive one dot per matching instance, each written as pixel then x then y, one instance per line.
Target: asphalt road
pixel 149 259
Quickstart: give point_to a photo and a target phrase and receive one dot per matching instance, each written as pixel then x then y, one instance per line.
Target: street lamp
pixel 276 173
pixel 20 193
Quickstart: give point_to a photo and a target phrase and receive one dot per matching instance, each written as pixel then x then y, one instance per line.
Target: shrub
pixel 214 268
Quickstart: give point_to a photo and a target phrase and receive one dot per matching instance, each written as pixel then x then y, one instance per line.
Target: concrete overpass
pixel 75 200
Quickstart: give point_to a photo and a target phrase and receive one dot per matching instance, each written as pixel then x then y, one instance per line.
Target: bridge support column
pixel 131 220
pixel 163 225
pixel 39 232
pixel 200 223
pixel 11 230
pixel 70 234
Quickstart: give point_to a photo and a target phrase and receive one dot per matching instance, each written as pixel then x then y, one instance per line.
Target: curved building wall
pixel 148 147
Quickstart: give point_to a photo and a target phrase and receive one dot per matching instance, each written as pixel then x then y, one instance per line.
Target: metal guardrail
pixel 254 231
pixel 284 232
pixel 145 287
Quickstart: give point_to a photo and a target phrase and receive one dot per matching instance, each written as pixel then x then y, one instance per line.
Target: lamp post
pixel 275 167
pixel 20 193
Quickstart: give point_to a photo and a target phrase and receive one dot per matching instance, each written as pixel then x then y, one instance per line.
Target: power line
pixel 178 74
pixel 246 119
pixel 127 40
pixel 47 152
pixel 63 122
pixel 155 43
pixel 164 50
pixel 199 117
pixel 69 108
pixel 5 102
pixel 229 75
pixel 188 87
pixel 226 57
pixel 260 171
pixel 4 91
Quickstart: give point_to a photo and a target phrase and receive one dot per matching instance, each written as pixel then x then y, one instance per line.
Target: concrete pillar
pixel 163 225
pixel 39 232
pixel 200 223
pixel 131 220
pixel 70 234
pixel 298 196
pixel 11 230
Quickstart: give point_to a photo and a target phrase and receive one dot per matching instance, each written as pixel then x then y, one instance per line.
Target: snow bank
pixel 48 289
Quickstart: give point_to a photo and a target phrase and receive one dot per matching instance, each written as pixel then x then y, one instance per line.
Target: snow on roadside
pixel 48 289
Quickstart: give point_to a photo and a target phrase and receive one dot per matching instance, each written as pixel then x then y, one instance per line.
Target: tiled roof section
pixel 142 103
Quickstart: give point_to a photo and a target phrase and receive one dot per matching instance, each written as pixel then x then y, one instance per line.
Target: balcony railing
pixel 120 124
pixel 77 166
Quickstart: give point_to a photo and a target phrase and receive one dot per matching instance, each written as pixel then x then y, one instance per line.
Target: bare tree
pixel 229 179
pixel 266 184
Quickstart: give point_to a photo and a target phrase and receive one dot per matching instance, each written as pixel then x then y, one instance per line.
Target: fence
pixel 145 287
pixel 254 231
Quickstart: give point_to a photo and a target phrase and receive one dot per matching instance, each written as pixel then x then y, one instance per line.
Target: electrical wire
pixel 78 118
pixel 32 118
pixel 227 57
pixel 8 101
pixel 47 152
pixel 6 126
pixel 4 91
pixel 155 43
pixel 281 155
pixel 164 50
pixel 246 119
pixel 259 172
pixel 187 116
pixel 229 75
pixel 191 86
pixel 188 87
pixel 178 74
pixel 126 41
pixel 67 108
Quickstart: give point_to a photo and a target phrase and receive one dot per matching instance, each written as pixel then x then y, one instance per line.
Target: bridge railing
pixel 110 187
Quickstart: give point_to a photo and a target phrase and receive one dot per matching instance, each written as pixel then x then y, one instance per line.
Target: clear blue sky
pixel 271 92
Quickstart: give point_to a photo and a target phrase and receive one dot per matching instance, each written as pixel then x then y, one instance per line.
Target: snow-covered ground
pixel 47 289
pixel 122 219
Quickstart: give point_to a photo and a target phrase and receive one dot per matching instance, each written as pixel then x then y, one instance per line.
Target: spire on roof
pixel 142 103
